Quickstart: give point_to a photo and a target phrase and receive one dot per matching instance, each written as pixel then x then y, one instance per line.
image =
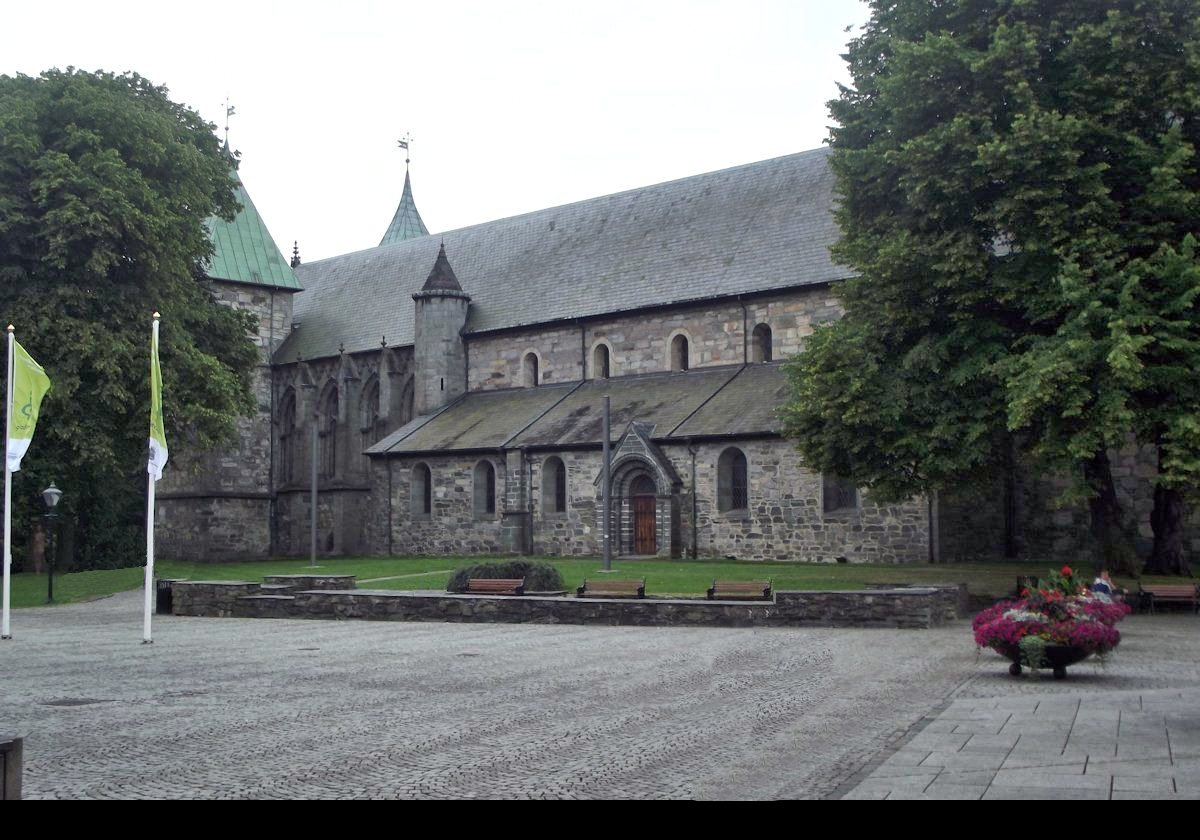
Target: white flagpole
pixel 148 600
pixel 5 630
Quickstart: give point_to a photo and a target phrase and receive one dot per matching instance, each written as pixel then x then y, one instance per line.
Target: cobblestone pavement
pixel 1128 730
pixel 273 708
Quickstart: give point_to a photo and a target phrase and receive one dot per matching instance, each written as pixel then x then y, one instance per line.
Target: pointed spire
pixel 406 223
pixel 442 277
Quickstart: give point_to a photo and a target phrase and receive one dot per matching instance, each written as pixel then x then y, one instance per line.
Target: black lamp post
pixel 51 496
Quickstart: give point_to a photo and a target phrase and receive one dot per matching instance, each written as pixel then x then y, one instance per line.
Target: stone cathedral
pixel 448 390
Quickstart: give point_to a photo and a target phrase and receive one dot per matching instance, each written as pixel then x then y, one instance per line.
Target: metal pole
pixel 148 595
pixel 607 481
pixel 5 630
pixel 50 523
pixel 312 513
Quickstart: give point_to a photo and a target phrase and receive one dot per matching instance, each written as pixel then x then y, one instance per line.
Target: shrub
pixel 539 577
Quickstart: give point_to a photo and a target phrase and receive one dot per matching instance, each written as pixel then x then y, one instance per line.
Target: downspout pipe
pixel 695 537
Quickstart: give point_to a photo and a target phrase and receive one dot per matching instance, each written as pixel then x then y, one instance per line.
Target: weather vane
pixel 404 141
pixel 229 112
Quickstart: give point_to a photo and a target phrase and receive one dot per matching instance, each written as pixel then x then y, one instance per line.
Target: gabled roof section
pixel 406 224
pixel 753 228
pixel 244 251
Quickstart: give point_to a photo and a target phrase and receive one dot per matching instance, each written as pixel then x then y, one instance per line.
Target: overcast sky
pixel 513 106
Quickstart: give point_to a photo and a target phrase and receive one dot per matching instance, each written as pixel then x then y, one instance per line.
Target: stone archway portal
pixel 645 523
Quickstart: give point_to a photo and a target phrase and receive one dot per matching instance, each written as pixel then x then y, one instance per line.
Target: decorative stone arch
pixel 401 409
pixel 370 425
pixel 288 432
pixel 761 343
pixel 420 491
pixel 680 351
pixel 532 375
pixel 601 359
pixel 483 496
pixel 645 496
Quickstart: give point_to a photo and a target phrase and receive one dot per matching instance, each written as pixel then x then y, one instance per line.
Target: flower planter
pixel 1058 657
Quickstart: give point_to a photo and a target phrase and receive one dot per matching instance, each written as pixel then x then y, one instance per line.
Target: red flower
pixel 1066 571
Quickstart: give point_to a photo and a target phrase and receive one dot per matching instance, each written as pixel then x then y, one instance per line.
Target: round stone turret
pixel 439 354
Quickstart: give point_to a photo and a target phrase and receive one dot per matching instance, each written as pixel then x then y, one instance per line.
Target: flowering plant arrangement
pixel 1061 611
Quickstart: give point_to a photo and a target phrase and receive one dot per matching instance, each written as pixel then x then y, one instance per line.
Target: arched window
pixel 531 370
pixel 760 344
pixel 554 486
pixel 370 427
pixel 422 491
pixel 732 485
pixel 679 353
pixel 839 494
pixel 485 489
pixel 287 437
pixel 327 432
pixel 600 369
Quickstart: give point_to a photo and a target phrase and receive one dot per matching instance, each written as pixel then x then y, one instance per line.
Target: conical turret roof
pixel 442 278
pixel 406 224
pixel 243 250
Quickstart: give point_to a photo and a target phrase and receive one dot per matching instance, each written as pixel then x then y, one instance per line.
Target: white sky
pixel 513 106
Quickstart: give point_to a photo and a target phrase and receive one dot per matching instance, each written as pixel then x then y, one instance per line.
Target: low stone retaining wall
pixel 911 607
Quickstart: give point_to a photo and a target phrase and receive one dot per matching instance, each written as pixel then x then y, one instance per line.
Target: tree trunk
pixel 1010 498
pixel 1112 551
pixel 1166 519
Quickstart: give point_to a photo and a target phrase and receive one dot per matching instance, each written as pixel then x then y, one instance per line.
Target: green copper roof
pixel 406 224
pixel 244 251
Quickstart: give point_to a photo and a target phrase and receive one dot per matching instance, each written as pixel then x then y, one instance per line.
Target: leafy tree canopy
pixel 1017 183
pixel 105 184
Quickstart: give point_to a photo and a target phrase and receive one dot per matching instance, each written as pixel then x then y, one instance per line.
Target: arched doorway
pixel 645 522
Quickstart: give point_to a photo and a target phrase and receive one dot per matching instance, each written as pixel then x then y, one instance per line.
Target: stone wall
pixel 342 521
pixel 216 505
pixel 640 342
pixel 784 519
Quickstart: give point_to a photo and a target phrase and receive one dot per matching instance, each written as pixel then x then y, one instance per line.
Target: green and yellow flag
pixel 29 385
pixel 158 436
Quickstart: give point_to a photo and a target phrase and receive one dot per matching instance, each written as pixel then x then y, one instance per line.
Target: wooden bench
pixel 605 588
pixel 1172 594
pixel 496 586
pixel 727 590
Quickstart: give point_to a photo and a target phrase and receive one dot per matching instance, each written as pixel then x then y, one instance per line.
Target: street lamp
pixel 51 496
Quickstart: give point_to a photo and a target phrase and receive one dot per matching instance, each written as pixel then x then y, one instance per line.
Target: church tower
pixel 406 223
pixel 439 354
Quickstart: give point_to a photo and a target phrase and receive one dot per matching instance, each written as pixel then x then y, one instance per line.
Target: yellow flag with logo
pixel 158 435
pixel 29 385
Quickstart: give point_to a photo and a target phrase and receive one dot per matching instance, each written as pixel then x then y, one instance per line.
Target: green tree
pixel 105 184
pixel 1017 184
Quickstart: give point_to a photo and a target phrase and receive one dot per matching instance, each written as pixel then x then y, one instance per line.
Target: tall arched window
pixel 732 484
pixel 600 362
pixel 679 353
pixel 485 489
pixel 838 493
pixel 422 491
pixel 369 426
pixel 531 370
pixel 327 432
pixel 287 437
pixel 760 344
pixel 554 486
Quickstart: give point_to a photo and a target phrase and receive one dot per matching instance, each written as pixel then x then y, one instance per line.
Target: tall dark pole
pixel 607 482
pixel 312 513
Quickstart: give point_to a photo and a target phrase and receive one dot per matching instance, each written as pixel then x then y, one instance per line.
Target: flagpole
pixel 5 630
pixel 148 595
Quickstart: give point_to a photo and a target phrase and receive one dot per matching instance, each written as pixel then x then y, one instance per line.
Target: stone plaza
pixel 245 708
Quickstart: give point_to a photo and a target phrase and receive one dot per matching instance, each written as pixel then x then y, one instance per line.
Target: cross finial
pixel 295 253
pixel 229 112
pixel 403 142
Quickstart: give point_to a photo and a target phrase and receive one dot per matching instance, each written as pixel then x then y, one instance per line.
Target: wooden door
pixel 644 541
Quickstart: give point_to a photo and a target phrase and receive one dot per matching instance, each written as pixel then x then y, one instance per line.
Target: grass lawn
pixel 671 577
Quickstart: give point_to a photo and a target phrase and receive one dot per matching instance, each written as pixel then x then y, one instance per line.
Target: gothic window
pixel 531 370
pixel 287 437
pixel 679 353
pixel 327 432
pixel 370 427
pixel 600 369
pixel 485 489
pixel 760 344
pixel 422 491
pixel 554 486
pixel 839 493
pixel 732 486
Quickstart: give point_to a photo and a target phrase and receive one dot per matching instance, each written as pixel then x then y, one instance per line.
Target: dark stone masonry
pixel 909 607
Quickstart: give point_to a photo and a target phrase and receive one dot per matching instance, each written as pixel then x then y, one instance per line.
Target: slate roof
pixel 244 251
pixel 703 402
pixel 756 227
pixel 406 223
